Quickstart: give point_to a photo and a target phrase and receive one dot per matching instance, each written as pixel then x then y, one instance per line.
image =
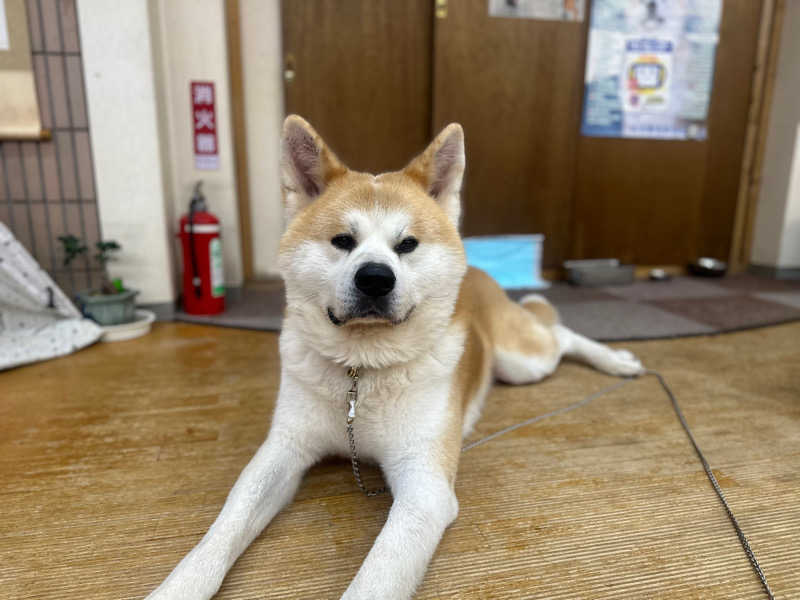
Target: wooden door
pixel 516 87
pixel 378 77
pixel 362 76
pixel 667 202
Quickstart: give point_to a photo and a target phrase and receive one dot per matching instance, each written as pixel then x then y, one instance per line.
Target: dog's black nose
pixel 375 279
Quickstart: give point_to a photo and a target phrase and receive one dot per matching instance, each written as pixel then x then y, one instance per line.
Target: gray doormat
pixel 258 306
pixel 680 307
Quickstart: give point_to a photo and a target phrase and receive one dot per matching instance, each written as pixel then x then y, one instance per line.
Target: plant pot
pixel 109 309
pixel 127 331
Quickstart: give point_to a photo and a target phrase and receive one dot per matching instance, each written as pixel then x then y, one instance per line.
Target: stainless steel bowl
pixel 705 266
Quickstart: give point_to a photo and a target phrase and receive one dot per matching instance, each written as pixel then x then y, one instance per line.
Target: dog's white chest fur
pixel 397 406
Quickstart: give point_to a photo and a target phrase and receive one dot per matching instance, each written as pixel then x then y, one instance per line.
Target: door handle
pixel 289 72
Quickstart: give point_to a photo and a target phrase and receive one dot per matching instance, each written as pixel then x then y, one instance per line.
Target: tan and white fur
pixel 429 343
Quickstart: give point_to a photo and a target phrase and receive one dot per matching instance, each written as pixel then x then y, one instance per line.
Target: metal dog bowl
pixel 708 267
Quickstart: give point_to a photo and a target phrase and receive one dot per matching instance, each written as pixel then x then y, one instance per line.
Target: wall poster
pixel 19 107
pixel 204 119
pixel 549 10
pixel 650 68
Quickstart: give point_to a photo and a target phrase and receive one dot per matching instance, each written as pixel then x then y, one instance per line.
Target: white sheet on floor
pixel 37 320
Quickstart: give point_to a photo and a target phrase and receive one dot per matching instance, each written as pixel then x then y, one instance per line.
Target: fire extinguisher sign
pixel 204 117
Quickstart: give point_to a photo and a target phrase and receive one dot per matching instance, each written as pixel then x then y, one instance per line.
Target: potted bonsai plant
pixel 112 304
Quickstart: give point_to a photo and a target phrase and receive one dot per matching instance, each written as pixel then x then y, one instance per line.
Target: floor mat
pixel 257 307
pixel 643 310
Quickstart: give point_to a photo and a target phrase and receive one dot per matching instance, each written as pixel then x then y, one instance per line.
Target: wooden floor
pixel 114 461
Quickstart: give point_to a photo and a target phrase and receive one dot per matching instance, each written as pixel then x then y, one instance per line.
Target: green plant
pixel 74 247
pixel 105 250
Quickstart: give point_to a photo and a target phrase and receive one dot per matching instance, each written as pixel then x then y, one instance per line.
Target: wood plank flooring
pixel 114 461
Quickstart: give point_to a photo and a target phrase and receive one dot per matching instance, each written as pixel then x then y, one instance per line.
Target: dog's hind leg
pixel 526 348
pixel 608 360
pixel 530 342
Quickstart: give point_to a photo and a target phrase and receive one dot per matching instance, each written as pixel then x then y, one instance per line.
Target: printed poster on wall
pixel 549 10
pixel 650 68
pixel 19 105
pixel 204 117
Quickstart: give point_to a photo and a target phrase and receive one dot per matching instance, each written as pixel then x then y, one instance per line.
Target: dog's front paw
pixel 623 363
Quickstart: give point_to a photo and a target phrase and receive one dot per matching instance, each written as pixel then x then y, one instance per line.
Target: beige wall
pixel 121 97
pixel 263 94
pixel 776 241
pixel 193 46
pixel 789 254
pixel 142 56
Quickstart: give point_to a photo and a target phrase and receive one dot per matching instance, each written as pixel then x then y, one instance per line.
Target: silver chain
pixel 715 484
pixel 352 402
pixel 352 399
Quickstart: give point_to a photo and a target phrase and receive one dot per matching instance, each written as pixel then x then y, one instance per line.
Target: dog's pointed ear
pixel 440 169
pixel 307 165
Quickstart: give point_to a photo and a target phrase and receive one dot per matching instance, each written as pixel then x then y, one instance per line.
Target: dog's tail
pixel 541 308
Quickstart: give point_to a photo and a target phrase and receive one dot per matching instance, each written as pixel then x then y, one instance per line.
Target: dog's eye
pixel 407 245
pixel 344 241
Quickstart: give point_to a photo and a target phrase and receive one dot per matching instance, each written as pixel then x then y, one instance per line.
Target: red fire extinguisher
pixel 203 280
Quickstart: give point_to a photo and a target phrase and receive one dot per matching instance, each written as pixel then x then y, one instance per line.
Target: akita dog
pixel 376 280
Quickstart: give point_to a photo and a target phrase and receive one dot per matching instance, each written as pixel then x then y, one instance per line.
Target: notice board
pixel 650 68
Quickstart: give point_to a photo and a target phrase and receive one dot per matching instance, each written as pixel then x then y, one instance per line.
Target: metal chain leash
pixel 713 479
pixel 352 397
pixel 352 402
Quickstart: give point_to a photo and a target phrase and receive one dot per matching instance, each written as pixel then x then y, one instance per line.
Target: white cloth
pixel 37 321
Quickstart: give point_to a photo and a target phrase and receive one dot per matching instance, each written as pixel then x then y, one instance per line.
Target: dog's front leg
pixel 424 505
pixel 265 485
